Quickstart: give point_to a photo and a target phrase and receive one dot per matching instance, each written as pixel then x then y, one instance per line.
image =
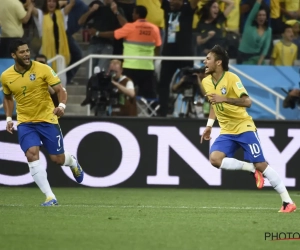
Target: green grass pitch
pixel 144 219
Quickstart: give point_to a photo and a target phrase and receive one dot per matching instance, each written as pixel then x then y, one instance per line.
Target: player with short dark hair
pixel 229 100
pixel 37 117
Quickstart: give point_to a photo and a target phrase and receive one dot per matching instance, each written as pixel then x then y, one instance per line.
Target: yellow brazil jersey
pixel 275 9
pixel 284 55
pixel 232 119
pixel 233 19
pixel 196 18
pixel 155 13
pixel 291 5
pixel 30 91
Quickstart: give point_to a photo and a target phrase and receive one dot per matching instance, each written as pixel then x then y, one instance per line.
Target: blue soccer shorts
pixel 249 141
pixel 41 133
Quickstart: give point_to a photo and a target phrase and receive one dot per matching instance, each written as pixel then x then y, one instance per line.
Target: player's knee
pixel 32 154
pixel 215 160
pixel 58 159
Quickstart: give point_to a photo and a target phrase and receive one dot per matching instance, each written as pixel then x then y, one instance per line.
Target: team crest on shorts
pixel 32 77
pixel 223 91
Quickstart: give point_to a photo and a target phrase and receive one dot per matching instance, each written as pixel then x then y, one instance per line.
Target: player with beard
pixel 229 100
pixel 37 117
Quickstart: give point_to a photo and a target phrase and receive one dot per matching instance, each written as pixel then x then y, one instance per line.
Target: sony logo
pixel 167 137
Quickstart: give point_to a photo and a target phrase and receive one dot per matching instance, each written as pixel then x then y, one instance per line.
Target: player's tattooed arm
pixel 62 98
pixel 244 101
pixel 61 93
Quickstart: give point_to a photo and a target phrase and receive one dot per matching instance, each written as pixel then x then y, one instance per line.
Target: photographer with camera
pixel 111 91
pixel 292 99
pixel 191 96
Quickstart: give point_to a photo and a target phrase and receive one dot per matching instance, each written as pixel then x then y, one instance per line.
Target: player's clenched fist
pixel 214 98
pixel 206 134
pixel 59 111
pixel 10 127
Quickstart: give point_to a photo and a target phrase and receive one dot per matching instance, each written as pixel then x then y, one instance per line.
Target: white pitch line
pixel 149 206
pixel 171 207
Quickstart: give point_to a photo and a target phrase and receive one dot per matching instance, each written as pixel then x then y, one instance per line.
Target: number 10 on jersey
pixel 219 106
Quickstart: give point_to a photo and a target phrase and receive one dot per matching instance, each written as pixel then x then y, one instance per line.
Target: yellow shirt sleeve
pixel 275 51
pixel 238 87
pixel 196 16
pixel 51 77
pixel 295 54
pixel 203 84
pixel 19 9
pixel 5 87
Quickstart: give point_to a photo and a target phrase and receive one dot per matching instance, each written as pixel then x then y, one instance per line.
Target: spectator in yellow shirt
pixel 155 13
pixel 290 9
pixel 12 16
pixel 276 21
pixel 285 52
pixel 233 18
pixel 296 30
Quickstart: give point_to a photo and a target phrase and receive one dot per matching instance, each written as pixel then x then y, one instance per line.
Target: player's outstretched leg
pixel 288 205
pixel 66 159
pixel 234 164
pixel 39 175
pixel 219 160
pixel 75 167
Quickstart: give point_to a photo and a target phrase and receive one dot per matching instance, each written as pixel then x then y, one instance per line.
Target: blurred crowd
pixel 254 32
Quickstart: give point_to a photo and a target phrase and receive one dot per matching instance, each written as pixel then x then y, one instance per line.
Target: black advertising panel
pixel 128 152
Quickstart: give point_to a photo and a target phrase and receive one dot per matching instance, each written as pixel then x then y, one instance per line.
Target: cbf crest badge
pixel 32 77
pixel 223 91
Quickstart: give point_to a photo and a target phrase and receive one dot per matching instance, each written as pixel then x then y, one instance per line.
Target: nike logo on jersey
pixel 58 149
pixel 255 156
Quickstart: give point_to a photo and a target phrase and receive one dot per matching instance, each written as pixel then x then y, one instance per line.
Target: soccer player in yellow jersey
pixel 37 117
pixel 229 100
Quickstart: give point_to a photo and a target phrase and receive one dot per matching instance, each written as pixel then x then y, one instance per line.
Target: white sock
pixel 234 164
pixel 39 175
pixel 70 161
pixel 277 184
pixel 248 167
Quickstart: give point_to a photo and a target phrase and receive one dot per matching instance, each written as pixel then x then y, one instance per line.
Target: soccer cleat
pixel 50 202
pixel 287 207
pixel 77 172
pixel 259 179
